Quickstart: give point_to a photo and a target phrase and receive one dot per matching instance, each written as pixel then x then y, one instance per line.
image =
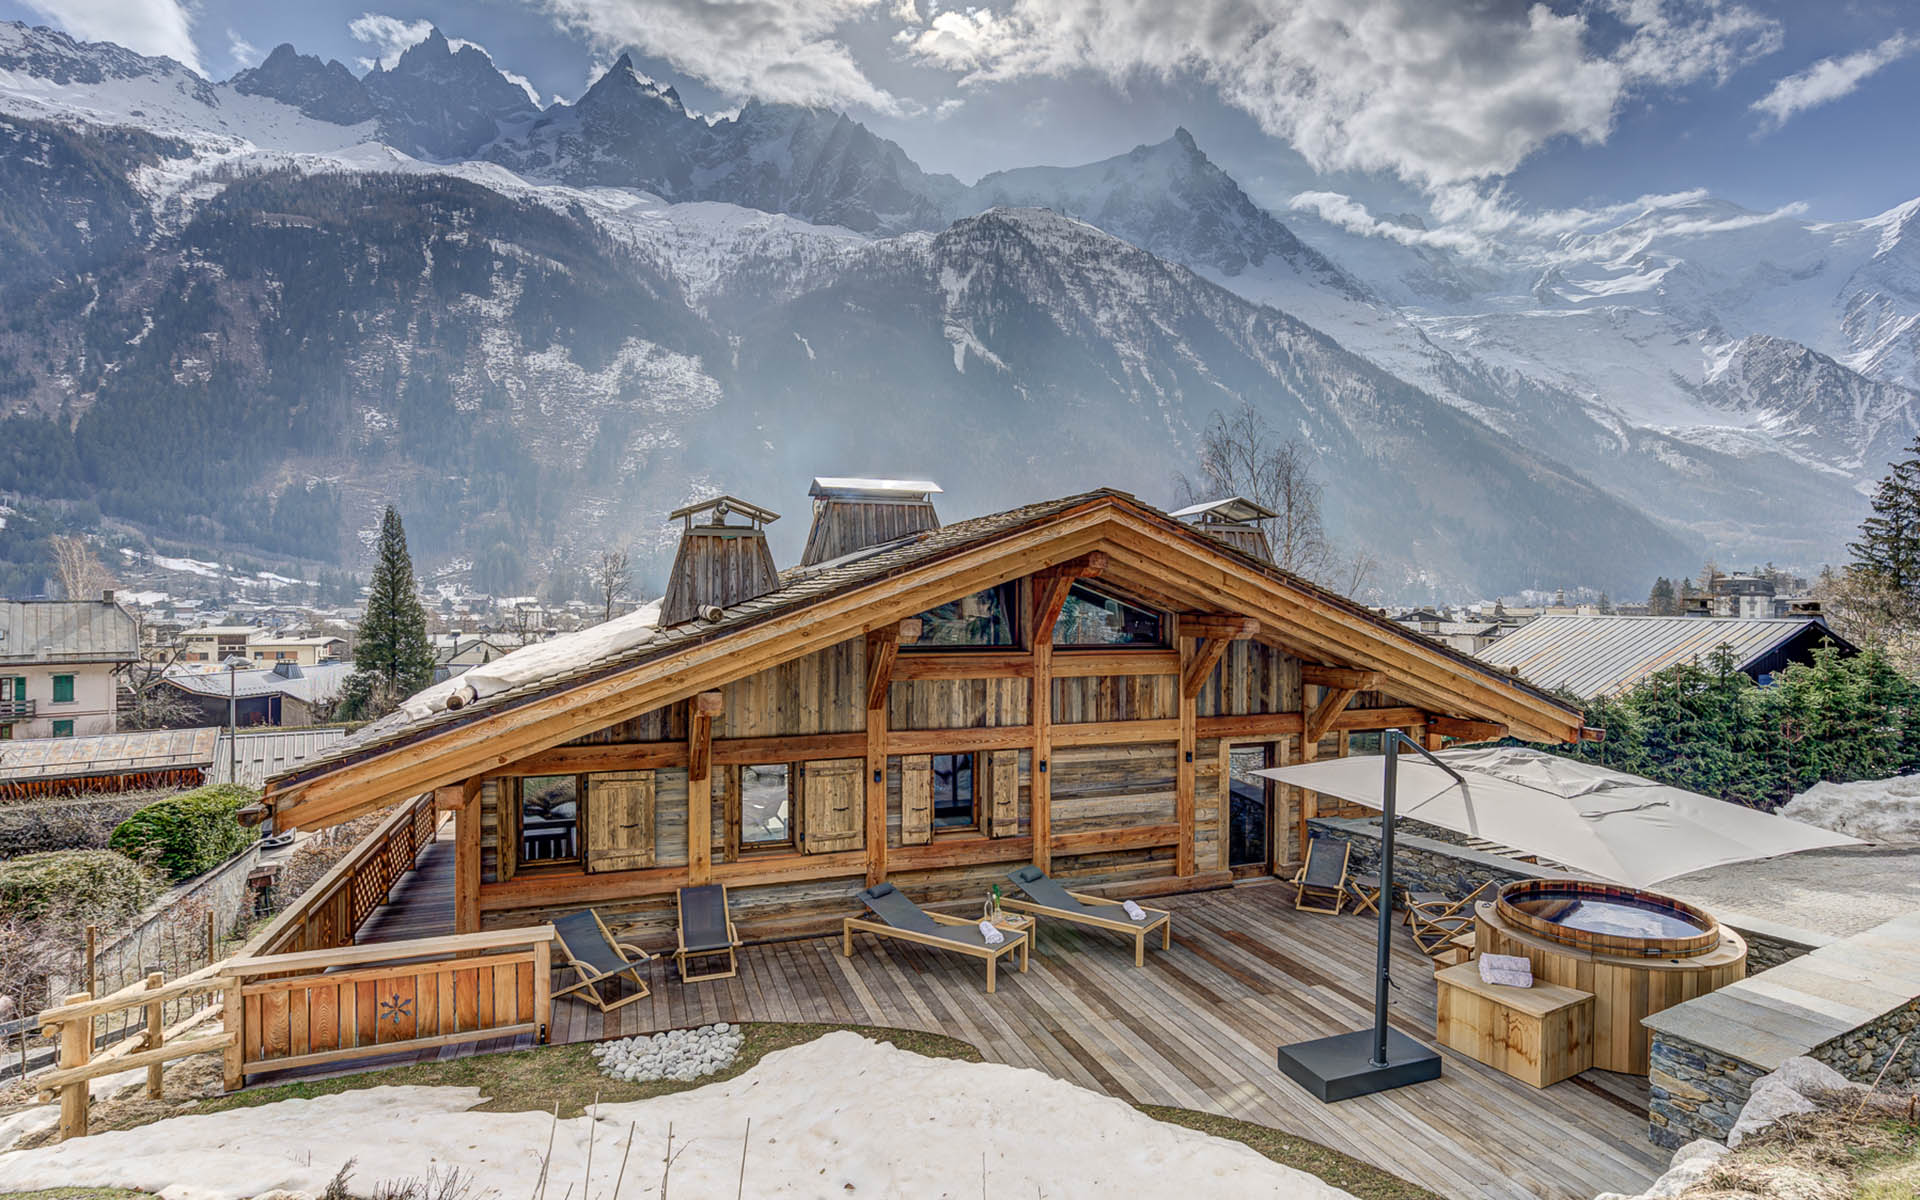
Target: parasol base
pixel 1340 1067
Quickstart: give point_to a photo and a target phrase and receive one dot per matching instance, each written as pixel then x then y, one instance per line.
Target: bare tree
pixel 612 576
pixel 148 703
pixel 1241 455
pixel 82 576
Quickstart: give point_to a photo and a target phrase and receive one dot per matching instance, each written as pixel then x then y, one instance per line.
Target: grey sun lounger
pixel 599 960
pixel 1046 898
pixel 901 918
pixel 706 931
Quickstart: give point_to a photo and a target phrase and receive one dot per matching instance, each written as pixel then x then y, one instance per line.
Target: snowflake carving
pixel 394 1008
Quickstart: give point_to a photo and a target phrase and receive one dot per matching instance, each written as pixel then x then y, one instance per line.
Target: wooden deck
pixel 1195 1028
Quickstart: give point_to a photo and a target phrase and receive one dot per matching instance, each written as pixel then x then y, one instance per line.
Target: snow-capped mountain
pixel 621 283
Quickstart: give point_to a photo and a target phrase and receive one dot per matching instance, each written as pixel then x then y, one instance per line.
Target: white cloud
pixel 243 52
pixel 1439 93
pixel 392 37
pixel 779 50
pixel 157 27
pixel 1830 79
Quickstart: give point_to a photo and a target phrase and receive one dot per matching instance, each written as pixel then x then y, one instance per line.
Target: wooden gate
pixel 322 1006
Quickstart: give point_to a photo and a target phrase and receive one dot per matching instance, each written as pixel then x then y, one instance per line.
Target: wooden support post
pixel 883 646
pixel 1309 799
pixel 466 858
pixel 213 936
pixel 1320 719
pixel 543 989
pixel 93 938
pixel 76 1047
pixel 233 1020
pixel 700 713
pixel 1183 855
pixel 1223 804
pixel 157 1036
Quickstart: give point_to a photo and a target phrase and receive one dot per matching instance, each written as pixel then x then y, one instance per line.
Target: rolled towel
pixel 1509 970
pixel 991 933
pixel 1134 911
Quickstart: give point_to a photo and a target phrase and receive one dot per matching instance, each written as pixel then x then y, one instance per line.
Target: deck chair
pixel 1322 880
pixel 706 931
pixel 1436 919
pixel 903 919
pixel 599 960
pixel 1046 898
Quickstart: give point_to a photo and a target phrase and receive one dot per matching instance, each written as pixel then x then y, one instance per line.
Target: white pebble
pixel 679 1054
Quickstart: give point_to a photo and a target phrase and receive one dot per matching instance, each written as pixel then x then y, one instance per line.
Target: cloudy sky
pixel 1471 112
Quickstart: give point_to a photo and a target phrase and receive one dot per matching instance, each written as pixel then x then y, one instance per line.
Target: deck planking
pixel 1195 1028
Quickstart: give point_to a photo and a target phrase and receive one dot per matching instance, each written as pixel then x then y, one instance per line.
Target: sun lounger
pixel 599 960
pixel 1436 919
pixel 706 931
pixel 1046 898
pixel 903 919
pixel 1321 885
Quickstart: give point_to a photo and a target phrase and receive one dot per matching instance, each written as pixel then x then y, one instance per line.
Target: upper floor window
pixel 63 689
pixel 1092 618
pixel 549 818
pixel 953 791
pixel 982 619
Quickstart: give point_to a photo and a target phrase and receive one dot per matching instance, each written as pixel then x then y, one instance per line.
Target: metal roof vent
pixel 720 562
pixel 1235 521
pixel 850 515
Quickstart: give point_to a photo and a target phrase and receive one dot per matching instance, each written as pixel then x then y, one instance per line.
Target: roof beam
pixel 1349 678
pixel 1463 730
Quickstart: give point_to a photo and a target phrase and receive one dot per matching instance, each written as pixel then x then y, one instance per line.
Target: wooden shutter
pixel 1002 778
pixel 619 825
pixel 835 805
pixel 916 799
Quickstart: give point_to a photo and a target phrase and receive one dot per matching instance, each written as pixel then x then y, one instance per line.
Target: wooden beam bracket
pixel 1340 678
pixel 1463 730
pixel 1320 720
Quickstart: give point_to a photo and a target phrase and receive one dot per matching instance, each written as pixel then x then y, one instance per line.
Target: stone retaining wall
pixel 1694 1092
pixel 1863 1055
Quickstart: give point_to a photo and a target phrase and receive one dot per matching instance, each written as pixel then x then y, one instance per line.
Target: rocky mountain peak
pixel 323 91
pixel 443 103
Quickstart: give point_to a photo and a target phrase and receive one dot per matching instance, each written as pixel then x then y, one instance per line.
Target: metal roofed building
pixel 57 665
pixel 285 694
pixel 1604 656
pixel 111 762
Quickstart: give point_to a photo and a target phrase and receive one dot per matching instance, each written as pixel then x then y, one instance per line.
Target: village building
pixel 285 694
pixel 1603 656
pixel 37 768
pixel 213 645
pixel 58 665
pixel 1064 684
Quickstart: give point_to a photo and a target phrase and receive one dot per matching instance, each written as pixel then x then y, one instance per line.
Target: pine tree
pixel 1889 547
pixel 392 657
pixel 1661 601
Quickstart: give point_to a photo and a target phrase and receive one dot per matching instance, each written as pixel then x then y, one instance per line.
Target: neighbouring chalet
pixel 1060 684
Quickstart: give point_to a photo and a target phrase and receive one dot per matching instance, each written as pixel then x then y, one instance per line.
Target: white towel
pixel 1510 970
pixel 1134 911
pixel 991 933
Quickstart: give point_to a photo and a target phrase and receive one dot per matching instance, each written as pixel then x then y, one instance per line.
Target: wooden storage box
pixel 1541 1034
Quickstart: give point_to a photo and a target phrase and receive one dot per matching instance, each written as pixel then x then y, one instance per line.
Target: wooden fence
pixel 333 909
pixel 323 1006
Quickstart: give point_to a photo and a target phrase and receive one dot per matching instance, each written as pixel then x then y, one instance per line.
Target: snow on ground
pixel 1876 810
pixel 838 1117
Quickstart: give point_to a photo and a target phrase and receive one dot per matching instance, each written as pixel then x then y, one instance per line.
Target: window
pixel 1091 618
pixel 766 806
pixel 982 619
pixel 953 791
pixel 63 729
pixel 549 818
pixel 63 689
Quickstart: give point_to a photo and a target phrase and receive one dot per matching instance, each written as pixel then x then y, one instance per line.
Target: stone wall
pixel 1863 1055
pixel 1694 1092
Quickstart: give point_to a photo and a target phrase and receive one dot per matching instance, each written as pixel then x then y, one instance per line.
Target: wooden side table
pixel 1014 922
pixel 1541 1034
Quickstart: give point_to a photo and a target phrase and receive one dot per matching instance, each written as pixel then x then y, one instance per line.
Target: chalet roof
pixel 1233 508
pixel 577 659
pixel 66 631
pixel 1602 656
pixel 106 754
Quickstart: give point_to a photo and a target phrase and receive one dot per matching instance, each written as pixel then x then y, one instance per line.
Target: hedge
pixel 189 833
pixel 104 886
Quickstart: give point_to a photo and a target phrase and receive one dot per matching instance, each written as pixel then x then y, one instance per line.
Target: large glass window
pixel 1093 618
pixel 982 619
pixel 953 791
pixel 766 806
pixel 549 818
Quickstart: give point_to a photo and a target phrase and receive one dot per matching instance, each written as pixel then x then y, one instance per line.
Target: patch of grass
pixel 1341 1170
pixel 530 1080
pixel 1852 1148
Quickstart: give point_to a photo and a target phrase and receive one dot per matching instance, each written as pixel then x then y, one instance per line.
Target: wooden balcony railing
pixel 333 909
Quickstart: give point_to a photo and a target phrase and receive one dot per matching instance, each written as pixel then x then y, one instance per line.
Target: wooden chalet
pixel 929 704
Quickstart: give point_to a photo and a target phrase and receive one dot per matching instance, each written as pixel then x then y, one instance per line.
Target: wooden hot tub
pixel 1636 951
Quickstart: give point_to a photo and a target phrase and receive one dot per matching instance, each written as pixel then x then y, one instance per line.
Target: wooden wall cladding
pixel 661 725
pixel 1252 678
pixel 957 703
pixel 1112 787
pixel 824 692
pixel 1080 699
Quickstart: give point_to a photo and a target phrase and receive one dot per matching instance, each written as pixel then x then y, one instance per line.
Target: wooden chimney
pixel 1235 521
pixel 721 562
pixel 854 514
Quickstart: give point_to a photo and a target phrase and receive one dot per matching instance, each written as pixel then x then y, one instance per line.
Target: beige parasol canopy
pixel 1615 826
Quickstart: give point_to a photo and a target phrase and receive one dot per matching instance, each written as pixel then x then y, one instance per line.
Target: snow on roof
pixel 893 489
